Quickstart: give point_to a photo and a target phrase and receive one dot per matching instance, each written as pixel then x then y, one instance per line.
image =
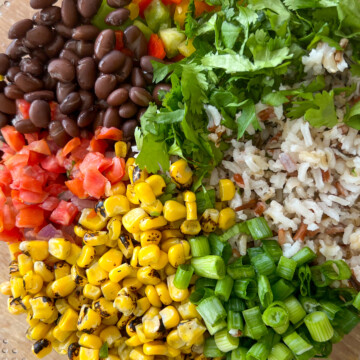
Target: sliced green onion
pixel 217 327
pixel 254 251
pixel 200 294
pixel 273 249
pixel 245 289
pixel 318 277
pixel 346 320
pixel 224 287
pixel 344 296
pixel 280 352
pixel 336 270
pixel 259 351
pixel 253 320
pixel 211 266
pixel 297 344
pixel 211 310
pixel 227 253
pixel 356 302
pixel 239 354
pixel 225 342
pixel 263 264
pixel 199 246
pixel 324 349
pixel 282 289
pixel 205 282
pixel 236 304
pixel 264 291
pixel 286 268
pixel 295 310
pixel 277 317
pixel 259 228
pixel 216 246
pixel 329 308
pixel 304 256
pixel 309 304
pixel 183 276
pixel 319 326
pixel 235 230
pixel 239 271
pixel 234 320
pixel 304 275
pixel 338 336
pixel 211 350
pixel 307 355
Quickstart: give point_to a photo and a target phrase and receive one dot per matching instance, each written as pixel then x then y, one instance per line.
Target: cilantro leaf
pixel 205 199
pixel 352 117
pixel 349 14
pixel 229 34
pixel 191 24
pixel 248 116
pixel 104 351
pixel 308 4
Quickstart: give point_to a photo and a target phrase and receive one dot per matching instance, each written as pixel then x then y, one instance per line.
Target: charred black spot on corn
pixel 41 345
pixel 125 240
pixel 136 174
pixel 17 302
pixel 13 267
pixel 100 208
pixel 73 351
pixel 133 322
pixel 60 265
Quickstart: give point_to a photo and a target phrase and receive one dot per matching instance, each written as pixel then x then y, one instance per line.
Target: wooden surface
pixel 13 343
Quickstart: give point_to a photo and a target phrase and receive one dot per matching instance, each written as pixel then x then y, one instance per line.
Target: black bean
pixel 140 113
pixel 3 120
pixel 88 8
pixel 49 16
pixel 102 104
pixel 53 49
pixel 25 126
pixel 86 117
pixel 112 62
pixel 70 127
pixel 16 50
pixel 128 129
pixel 46 95
pixel 99 120
pixel 105 42
pixel 10 75
pixel 118 97
pixel 63 90
pixel 69 55
pixel 63 30
pixel 85 48
pixel 145 63
pixel 135 40
pixel 85 32
pixel 125 86
pixel 4 64
pixel 13 92
pixel 71 45
pixel 49 82
pixel 40 113
pixel 112 118
pixel 20 28
pixel 62 70
pixel 125 71
pixel 104 85
pixel 27 82
pixel 85 134
pixel 137 78
pixel 87 99
pixel 32 66
pixel 41 4
pixel 3 85
pixel 69 13
pixel 159 92
pixel 40 54
pixel 39 35
pixel 86 73
pixel 71 103
pixel 140 96
pixel 118 3
pixel 117 17
pixel 148 77
pixel 58 133
pixel 28 45
pixel 128 110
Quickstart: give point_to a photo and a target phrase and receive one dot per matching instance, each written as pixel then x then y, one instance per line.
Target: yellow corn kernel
pixel 131 195
pixel 14 268
pixel 30 320
pixel 114 228
pixel 116 205
pixel 121 324
pixel 148 276
pixel 39 331
pixel 26 301
pixel 61 305
pixel 133 341
pixel 125 302
pixel 169 270
pixel 91 220
pixel 100 250
pixel 60 248
pixel 209 220
pixel 117 189
pixel 110 321
pixel 170 234
pixel 5 288
pixel 142 305
pixel 88 354
pixel 17 287
pixel 149 223
pixel 15 306
pixel 50 335
pixel 170 317
pixel 90 341
pixel 188 311
pixel 141 335
pixel 189 196
pixel 25 264
pixel 42 307
pixel 44 270
pixel 135 257
pixel 14 250
pixel 153 328
pixel 61 269
pixel 167 244
pixel 110 334
pixel 60 335
pixel 78 275
pixel 173 353
pixel 131 325
pixel 226 189
pixel 152 296
pixel 121 149
pixel 88 319
pixel 190 227
pixel 124 352
pixel 74 254
pixel 157 184
pixel 68 321
pixel 41 348
pixel 86 256
pixel 91 292
pixel 131 220
pixel 76 299
pixel 162 261
pixel 79 231
pixel 136 175
pixel 163 293
pixel 48 290
pixel 181 173
pixel 174 211
pixel 191 211
pixel 150 237
pixel 178 254
pixel 138 354
pixel 154 209
pixel 36 249
pixel 33 282
pixel 132 284
pixel 148 255
pixel 63 286
pixel 175 293
pixel 173 340
pixel 227 218
pixel 70 346
pixel 155 348
pixel 144 193
pixel 110 290
pixel 104 307
pixel 190 330
pixel 96 275
pixel 111 259
pixel 120 272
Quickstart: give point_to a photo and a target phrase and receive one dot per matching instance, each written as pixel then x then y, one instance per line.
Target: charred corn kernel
pixel 120 272
pixel 190 227
pixel 189 196
pixel 131 220
pixel 149 223
pixel 96 275
pixel 155 348
pixel 116 205
pixel 68 321
pixel 110 334
pixel 142 305
pixel 227 218
pixel 173 340
pixel 175 225
pixel 90 341
pixel 150 237
pixel 15 306
pixel 114 228
pixel 30 320
pixel 141 335
pixel 170 234
pixel 138 354
pixel 110 290
pixel 44 270
pixel 121 324
pixel 167 244
pixel 157 184
pixel 14 268
pixel 148 276
pixel 121 149
pixel 95 238
pixel 162 261
pixel 152 296
pixel 153 328
pixel 91 292
pixel 132 284
pixel 190 330
pixel 148 255
pixel 117 189
pixel 174 211
pixel 110 321
pixel 60 248
pixel 172 352
pixel 39 331
pixel 124 352
pixel 61 305
pixel 88 354
pixel 61 269
pixel 74 254
pixel 169 270
pixel 104 307
pixel 78 275
pixel 134 261
pixel 48 290
pixel 226 189
pixel 14 250
pixel 144 193
pixel 136 175
pixel 209 220
pixel 111 259
pixel 36 249
pixel 175 293
pixel 191 211
pixel 33 282
pixel 67 347
pixel 5 288
pixel 88 319
pixel 154 209
pixel 25 264
pixel 99 251
pixel 188 311
pixel 131 195
pixel 133 341
pixel 63 286
pixel 17 287
pixel 79 231
pixel 76 299
pixel 163 293
pixel 179 253
pixel 61 335
pixel 180 172
pixel 86 256
pixel 125 302
pixel 170 317
pixel 42 307
pixel 89 219
pixel 131 325
pixel 26 301
pixel 41 348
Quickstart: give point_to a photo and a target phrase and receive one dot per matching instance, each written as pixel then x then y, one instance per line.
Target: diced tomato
pixel 16 162
pixel 71 145
pixel 54 107
pixel 94 183
pixel 40 146
pixel 96 161
pixel 156 47
pixel 30 184
pixel 170 2
pixel 119 36
pixel 5 176
pixel 9 214
pixel 30 197
pixel 23 108
pixel 7 150
pixel 35 157
pixel 11 236
pixel 30 217
pixel 108 133
pixel 17 202
pixel 98 145
pixel 64 214
pixel 143 4
pixel 76 186
pixel 50 203
pixel 31 137
pixel 13 138
pixel 80 152
pixel 55 189
pixel 117 170
pixel 201 7
pixel 2 198
pixel 51 164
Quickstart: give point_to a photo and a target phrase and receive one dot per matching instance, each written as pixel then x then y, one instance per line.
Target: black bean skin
pixel 20 28
pixel 128 129
pixel 88 8
pixel 135 40
pixel 58 133
pixel 140 96
pixel 104 43
pixel 156 92
pixel 112 62
pixel 41 4
pixel 86 117
pixel 7 106
pixel 112 118
pixel 39 36
pixel 63 90
pixel 13 92
pixel 104 85
pixel 117 17
pixel 27 82
pixel 118 3
pixel 145 63
pixel 4 64
pixel 62 70
pixel 128 110
pixel 25 126
pixel 48 16
pixel 86 73
pixel 70 127
pixel 39 113
pixel 46 95
pixel 118 97
pixel 71 103
pixel 85 32
pixel 69 13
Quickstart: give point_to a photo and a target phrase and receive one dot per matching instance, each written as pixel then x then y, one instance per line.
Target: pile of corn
pixel 118 288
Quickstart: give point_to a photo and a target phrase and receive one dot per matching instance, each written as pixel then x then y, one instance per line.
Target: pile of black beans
pixel 60 57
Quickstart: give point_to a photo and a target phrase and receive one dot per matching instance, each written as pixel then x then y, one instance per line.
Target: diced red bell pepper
pixel 13 138
pixel 64 214
pixel 119 36
pixel 143 4
pixel 71 145
pixel 50 203
pixel 30 217
pixel 23 108
pixel 40 146
pixel 95 183
pixel 108 133
pixel 117 170
pixel 170 2
pixel 51 164
pixel 76 186
pixel 156 47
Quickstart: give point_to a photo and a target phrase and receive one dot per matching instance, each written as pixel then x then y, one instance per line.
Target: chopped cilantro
pixel 104 351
